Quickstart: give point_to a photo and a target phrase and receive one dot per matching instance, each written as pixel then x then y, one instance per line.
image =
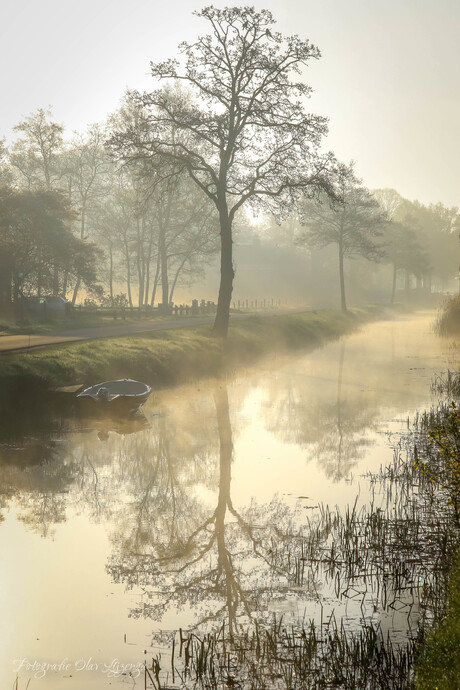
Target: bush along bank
pixel 437 460
pixel 168 357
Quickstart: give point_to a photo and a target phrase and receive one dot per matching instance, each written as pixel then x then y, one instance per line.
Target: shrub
pixel 448 322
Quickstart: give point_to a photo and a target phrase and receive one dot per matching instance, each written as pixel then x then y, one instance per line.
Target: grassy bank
pixel 438 461
pixel 166 357
pixel 439 662
pixel 69 323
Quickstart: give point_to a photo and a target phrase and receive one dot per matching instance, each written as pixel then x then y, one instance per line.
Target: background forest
pixel 76 221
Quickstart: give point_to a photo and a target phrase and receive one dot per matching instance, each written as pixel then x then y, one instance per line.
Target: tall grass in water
pixel 386 564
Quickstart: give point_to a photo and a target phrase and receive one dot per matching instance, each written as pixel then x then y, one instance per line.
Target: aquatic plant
pixel 385 566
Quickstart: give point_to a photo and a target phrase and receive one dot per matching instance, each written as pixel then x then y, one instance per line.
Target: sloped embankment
pixel 167 357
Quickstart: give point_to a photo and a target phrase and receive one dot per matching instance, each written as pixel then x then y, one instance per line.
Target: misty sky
pixel 388 79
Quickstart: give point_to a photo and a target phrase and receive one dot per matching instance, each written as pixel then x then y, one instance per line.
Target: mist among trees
pixel 217 178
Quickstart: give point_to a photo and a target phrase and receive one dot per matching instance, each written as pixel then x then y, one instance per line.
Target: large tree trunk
pixel 227 274
pixel 140 263
pixel 75 291
pixel 342 279
pixel 147 272
pixel 128 273
pixel 55 280
pixel 82 237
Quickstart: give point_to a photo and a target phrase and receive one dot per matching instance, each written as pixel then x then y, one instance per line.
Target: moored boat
pixel 122 396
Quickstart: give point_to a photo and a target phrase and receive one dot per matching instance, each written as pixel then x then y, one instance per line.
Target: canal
pixel 115 534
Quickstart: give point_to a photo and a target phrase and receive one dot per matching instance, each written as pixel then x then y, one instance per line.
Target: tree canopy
pixel 242 133
pixel 36 240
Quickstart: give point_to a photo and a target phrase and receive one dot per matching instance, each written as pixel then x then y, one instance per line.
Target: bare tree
pixel 35 155
pixel 243 135
pixel 83 164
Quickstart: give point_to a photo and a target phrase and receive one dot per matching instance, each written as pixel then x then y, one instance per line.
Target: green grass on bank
pixel 166 357
pixel 438 667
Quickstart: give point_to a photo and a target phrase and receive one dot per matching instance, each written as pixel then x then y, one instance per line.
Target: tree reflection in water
pixel 226 564
pixel 36 473
pixel 333 426
pixel 165 487
pixel 40 466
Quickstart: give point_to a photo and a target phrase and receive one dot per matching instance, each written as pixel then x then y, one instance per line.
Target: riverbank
pixel 171 356
pixel 437 459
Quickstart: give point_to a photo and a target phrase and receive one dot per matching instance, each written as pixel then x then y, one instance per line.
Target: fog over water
pixel 96 515
pixel 264 194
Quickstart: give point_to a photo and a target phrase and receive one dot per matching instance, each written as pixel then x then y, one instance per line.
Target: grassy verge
pixel 166 357
pixel 438 665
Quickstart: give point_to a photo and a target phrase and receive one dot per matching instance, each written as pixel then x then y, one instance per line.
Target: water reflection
pixel 333 426
pixel 218 560
pixel 197 498
pixel 40 465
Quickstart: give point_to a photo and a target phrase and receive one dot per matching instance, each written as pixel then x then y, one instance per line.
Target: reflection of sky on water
pixel 91 504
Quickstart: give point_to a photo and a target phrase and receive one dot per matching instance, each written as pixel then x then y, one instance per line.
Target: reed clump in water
pixel 448 322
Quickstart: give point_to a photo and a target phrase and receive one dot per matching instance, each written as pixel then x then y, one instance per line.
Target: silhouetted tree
pixel 243 135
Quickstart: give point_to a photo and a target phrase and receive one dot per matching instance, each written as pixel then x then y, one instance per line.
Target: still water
pixel 114 535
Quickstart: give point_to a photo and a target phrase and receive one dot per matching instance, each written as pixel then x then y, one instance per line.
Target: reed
pixel 386 565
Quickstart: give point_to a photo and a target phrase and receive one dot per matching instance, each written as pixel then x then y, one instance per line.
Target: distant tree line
pixel 419 242
pixel 73 222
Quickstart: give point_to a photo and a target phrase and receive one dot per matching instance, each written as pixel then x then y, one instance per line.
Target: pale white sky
pixel 389 78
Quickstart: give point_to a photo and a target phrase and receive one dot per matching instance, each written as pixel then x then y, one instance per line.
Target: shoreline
pixel 167 357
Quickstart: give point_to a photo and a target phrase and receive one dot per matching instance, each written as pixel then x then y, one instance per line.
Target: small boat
pixel 120 396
